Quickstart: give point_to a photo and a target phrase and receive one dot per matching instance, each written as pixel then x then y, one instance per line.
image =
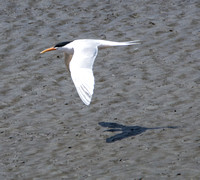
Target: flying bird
pixel 79 59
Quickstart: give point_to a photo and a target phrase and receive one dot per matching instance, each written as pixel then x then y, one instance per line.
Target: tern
pixel 79 59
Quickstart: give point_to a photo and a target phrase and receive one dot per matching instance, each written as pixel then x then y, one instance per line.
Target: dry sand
pixel 144 119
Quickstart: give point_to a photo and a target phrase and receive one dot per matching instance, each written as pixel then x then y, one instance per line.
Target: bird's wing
pixel 67 58
pixel 81 70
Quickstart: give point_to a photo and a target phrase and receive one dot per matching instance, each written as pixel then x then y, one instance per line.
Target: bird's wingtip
pixel 136 42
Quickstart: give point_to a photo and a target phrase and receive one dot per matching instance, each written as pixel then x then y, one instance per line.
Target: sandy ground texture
pixel 144 119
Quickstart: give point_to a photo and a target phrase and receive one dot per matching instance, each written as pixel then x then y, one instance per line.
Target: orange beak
pixel 49 49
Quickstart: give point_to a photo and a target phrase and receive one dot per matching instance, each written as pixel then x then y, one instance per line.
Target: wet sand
pixel 144 119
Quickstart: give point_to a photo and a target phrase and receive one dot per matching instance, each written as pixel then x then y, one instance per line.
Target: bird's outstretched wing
pixel 84 82
pixel 81 64
pixel 81 70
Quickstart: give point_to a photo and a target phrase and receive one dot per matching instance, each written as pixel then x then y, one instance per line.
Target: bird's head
pixel 58 46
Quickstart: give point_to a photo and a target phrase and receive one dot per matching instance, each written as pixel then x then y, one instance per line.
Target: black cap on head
pixel 62 44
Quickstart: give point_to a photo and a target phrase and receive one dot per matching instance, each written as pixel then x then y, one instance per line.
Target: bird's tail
pixel 104 43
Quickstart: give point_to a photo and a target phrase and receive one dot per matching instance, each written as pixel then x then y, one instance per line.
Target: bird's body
pixel 79 59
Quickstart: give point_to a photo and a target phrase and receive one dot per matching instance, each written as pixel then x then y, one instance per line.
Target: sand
pixel 144 119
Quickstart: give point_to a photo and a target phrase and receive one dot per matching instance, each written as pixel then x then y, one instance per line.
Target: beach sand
pixel 144 119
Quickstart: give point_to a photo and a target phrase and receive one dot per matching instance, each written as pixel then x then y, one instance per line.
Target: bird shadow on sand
pixel 126 131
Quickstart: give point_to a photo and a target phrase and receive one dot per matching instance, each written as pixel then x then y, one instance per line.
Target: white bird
pixel 79 59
